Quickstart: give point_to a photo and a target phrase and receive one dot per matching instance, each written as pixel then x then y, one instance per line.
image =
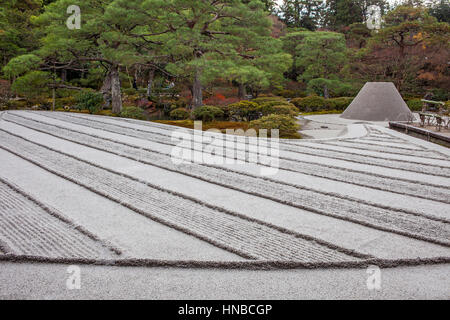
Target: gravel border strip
pixel 244 265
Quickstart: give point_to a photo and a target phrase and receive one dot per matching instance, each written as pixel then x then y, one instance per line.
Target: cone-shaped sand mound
pixel 378 101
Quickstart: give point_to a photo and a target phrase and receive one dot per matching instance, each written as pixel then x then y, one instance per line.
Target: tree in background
pixel 16 33
pixel 321 55
pixel 412 46
pixel 441 11
pixel 270 5
pixel 357 35
pixel 262 66
pixel 302 13
pixel 342 13
pixel 208 38
pixel 110 33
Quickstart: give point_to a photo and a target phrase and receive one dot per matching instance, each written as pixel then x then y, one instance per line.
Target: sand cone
pixel 378 101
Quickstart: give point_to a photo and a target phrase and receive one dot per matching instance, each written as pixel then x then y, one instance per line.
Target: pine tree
pixel 16 34
pixel 343 13
pixel 302 13
pixel 207 39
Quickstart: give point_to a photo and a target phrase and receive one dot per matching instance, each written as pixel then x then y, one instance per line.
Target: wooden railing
pixel 433 119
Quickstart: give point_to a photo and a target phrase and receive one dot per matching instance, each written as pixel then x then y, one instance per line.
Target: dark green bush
pixel 338 103
pixel 179 114
pixel 278 102
pixel 89 100
pixel 336 88
pixel 288 110
pixel 133 113
pixel 290 94
pixel 130 91
pixel 287 125
pixel 310 104
pixel 16 104
pixel 440 94
pixel 208 113
pixel 67 101
pixel 243 111
pixel 263 100
pixel 32 85
pixel 415 104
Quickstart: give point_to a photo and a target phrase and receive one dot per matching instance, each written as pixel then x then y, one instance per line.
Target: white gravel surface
pixel 97 282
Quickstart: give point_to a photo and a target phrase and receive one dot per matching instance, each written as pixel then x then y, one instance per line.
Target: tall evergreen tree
pixel 441 11
pixel 343 13
pixel 16 33
pixel 208 37
pixel 302 13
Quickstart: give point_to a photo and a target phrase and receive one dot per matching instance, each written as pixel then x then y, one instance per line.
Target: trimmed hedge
pixel 180 114
pixel 89 100
pixel 133 113
pixel 339 103
pixel 16 104
pixel 208 113
pixel 316 103
pixel 310 104
pixel 287 110
pixel 415 104
pixel 243 111
pixel 287 125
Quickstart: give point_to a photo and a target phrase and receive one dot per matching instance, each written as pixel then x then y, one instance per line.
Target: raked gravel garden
pixel 102 193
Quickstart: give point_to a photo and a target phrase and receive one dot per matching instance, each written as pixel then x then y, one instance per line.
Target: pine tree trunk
pixel 106 89
pixel 197 91
pixel 242 93
pixel 64 75
pixel 54 99
pixel 116 95
pixel 151 77
pixel 326 93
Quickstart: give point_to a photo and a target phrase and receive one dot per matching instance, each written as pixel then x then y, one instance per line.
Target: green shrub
pixel 336 88
pixel 208 113
pixel 415 104
pixel 338 103
pixel 274 103
pixel 67 101
pixel 132 113
pixel 287 125
pixel 179 114
pixel 32 85
pixel 263 100
pixel 130 91
pixel 290 94
pixel 243 111
pixel 440 94
pixel 310 104
pixel 16 104
pixel 89 100
pixel 173 107
pixel 288 110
